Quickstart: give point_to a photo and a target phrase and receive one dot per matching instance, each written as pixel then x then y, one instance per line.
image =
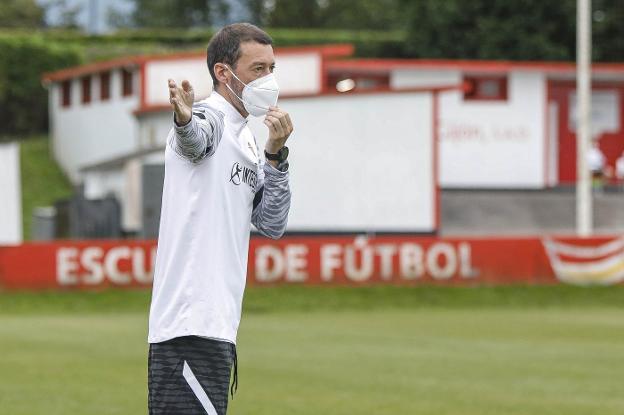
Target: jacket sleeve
pixel 200 137
pixel 272 201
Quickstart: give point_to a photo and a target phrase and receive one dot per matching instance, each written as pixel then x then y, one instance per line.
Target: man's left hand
pixel 280 128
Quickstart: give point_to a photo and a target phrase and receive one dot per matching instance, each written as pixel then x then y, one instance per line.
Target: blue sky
pixel 94 13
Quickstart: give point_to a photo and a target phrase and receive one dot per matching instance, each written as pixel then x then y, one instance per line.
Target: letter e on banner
pixel 66 266
pixel 296 262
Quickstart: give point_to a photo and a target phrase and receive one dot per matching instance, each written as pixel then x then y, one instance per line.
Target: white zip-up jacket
pixel 216 185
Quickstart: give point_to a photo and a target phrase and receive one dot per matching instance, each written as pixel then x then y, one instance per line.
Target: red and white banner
pixel 330 260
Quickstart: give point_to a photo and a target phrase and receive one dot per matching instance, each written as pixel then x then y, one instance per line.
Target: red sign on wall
pixel 324 260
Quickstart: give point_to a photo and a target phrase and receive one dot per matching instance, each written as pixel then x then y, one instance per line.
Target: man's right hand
pixel 181 99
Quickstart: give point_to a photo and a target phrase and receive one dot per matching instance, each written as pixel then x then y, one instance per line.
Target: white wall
pixel 84 134
pixel 488 144
pixel 298 74
pixel 410 78
pixel 360 162
pixel 11 199
pixel 158 72
pixel 295 73
pixel 495 144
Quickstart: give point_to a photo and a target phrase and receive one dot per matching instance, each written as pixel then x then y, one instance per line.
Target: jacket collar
pixel 234 118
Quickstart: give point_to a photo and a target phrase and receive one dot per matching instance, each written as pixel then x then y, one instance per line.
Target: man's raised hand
pixel 280 127
pixel 181 99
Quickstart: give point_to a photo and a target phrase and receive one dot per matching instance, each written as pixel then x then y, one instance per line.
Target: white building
pixel 513 125
pixel 372 131
pixel 11 200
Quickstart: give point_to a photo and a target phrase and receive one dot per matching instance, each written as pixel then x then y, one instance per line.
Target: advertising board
pixel 332 260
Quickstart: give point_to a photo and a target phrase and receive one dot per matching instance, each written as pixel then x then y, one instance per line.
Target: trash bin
pixel 43 223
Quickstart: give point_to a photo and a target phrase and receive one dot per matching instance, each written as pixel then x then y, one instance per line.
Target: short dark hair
pixel 225 44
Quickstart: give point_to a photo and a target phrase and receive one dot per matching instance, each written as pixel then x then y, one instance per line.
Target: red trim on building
pixel 326 51
pixel 323 74
pixel 143 86
pixel 436 157
pixel 611 143
pixel 435 89
pixel 547 138
pixel 76 71
pixel 363 65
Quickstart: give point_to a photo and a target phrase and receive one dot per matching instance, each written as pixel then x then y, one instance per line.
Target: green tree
pixel 608 30
pixel 177 13
pixel 510 29
pixel 21 14
pixel 67 12
pixel 456 29
pixel 258 11
pixel 335 14
pixel 362 14
pixel 492 29
pixel 288 13
pixel 23 99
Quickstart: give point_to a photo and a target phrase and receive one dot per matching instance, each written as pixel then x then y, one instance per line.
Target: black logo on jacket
pixel 242 174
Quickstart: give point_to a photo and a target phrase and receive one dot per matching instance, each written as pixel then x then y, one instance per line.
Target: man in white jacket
pixel 216 185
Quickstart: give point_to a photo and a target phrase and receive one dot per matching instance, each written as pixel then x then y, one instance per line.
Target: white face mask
pixel 258 95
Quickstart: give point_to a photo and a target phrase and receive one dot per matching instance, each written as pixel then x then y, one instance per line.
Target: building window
pixel 105 86
pixel 66 93
pixel 358 82
pixel 86 89
pixel 126 84
pixel 485 88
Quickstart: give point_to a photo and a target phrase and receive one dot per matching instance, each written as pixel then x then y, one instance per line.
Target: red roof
pixel 326 51
pixel 384 65
pixel 351 65
pixel 147 109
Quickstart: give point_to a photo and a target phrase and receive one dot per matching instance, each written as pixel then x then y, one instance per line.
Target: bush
pixel 27 55
pixel 368 43
pixel 23 98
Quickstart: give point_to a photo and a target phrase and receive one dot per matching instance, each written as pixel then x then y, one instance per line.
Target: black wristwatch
pixel 281 155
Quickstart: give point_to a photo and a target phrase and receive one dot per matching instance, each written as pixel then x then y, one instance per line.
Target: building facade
pixel 373 137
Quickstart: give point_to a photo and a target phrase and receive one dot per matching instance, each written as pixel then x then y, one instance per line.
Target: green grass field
pixel 380 350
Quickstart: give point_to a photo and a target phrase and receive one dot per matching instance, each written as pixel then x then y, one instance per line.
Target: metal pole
pixel 583 128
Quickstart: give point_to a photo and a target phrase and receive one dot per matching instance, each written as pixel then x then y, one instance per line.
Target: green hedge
pixel 23 99
pixel 26 55
pixel 367 43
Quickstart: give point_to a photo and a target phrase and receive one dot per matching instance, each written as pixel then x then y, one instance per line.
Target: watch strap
pixel 280 156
